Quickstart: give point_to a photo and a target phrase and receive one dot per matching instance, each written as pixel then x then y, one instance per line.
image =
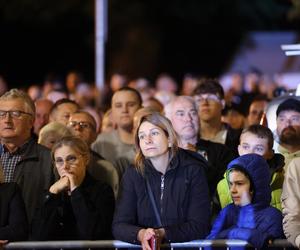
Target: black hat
pixel 289 104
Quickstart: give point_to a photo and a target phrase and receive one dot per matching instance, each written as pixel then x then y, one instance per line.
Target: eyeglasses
pixel 13 113
pixel 82 125
pixel 208 98
pixel 70 160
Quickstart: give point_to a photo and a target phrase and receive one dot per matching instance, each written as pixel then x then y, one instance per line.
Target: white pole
pixel 100 30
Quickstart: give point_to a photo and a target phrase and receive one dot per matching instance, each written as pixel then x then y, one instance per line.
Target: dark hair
pixel 244 172
pixel 138 95
pixel 261 132
pixel 211 86
pixel 62 101
pixel 289 104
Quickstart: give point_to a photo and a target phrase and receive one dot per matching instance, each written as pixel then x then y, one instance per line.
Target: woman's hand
pixel 75 180
pixel 144 235
pixel 61 185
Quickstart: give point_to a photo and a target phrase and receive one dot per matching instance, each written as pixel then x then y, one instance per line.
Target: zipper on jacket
pixel 162 186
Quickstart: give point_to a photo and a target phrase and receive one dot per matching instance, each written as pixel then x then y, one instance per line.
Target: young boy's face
pixel 239 186
pixel 252 144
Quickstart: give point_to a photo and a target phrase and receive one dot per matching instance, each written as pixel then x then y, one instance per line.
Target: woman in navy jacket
pixel 250 217
pixel 177 181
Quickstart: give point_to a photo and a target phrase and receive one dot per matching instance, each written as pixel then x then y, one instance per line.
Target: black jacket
pixel 13 218
pixel 34 174
pixel 183 201
pixel 85 215
pixel 233 138
pixel 218 156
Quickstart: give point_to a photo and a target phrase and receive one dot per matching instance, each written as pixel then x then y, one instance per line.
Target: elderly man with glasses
pixel 23 160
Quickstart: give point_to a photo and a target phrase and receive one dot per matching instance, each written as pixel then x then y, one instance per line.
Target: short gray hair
pixel 169 107
pixel 19 94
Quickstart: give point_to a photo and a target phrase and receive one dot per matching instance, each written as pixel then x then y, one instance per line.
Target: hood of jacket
pixel 258 170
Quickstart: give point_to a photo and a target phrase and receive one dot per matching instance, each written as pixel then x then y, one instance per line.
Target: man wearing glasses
pixel 209 97
pixel 23 160
pixel 83 125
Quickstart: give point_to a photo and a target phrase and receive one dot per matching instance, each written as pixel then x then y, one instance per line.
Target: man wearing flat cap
pixel 288 129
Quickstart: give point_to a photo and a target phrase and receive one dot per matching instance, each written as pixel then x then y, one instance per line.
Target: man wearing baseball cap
pixel 288 129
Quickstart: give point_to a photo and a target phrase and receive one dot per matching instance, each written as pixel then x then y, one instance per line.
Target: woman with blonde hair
pixel 165 195
pixel 76 206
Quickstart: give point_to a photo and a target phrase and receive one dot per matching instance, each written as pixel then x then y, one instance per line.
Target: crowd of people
pixel 136 161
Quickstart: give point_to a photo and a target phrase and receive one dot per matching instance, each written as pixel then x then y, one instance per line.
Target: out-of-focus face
pixel 188 86
pixel 124 105
pixel 185 119
pixel 153 140
pixel 239 186
pixel 49 140
pixel 166 83
pixel 107 124
pixel 15 125
pixel 256 111
pixel 252 144
pixel 209 107
pixel 68 160
pixel 42 111
pixel 234 119
pixel 288 126
pixel 117 81
pixel 83 126
pixel 63 113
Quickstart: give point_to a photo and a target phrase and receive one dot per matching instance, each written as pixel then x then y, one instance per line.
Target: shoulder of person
pixel 189 158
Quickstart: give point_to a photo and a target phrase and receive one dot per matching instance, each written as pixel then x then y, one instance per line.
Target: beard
pixel 290 136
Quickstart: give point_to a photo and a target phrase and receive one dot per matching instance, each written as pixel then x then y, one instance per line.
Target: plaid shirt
pixel 10 161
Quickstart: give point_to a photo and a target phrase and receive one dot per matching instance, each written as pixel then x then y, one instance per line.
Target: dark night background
pixel 145 38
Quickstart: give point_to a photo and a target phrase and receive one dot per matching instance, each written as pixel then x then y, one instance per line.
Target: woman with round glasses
pixel 76 206
pixel 165 195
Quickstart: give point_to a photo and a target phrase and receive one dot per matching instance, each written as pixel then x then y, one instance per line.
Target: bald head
pixel 42 107
pixel 182 112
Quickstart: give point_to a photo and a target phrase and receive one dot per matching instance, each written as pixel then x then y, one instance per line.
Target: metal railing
pixel 280 244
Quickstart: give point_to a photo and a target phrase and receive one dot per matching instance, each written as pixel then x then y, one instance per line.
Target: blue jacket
pixel 257 222
pixel 182 200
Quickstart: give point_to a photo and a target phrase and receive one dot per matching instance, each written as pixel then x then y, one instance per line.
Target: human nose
pixel 287 123
pixel 65 165
pixel 233 188
pixel 188 117
pixel 148 139
pixel 125 108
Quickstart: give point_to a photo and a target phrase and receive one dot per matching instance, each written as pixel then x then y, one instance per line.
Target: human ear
pixel 223 104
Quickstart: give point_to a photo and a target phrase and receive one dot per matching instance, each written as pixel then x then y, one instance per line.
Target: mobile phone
pixel 153 243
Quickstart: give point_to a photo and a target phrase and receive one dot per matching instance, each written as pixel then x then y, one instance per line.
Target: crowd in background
pixel 137 160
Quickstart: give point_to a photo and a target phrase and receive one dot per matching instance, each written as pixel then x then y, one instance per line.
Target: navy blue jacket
pixel 183 202
pixel 256 222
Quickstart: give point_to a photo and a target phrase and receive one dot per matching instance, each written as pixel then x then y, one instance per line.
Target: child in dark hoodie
pixel 250 217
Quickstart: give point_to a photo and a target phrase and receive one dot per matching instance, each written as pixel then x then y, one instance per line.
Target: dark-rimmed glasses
pixel 13 113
